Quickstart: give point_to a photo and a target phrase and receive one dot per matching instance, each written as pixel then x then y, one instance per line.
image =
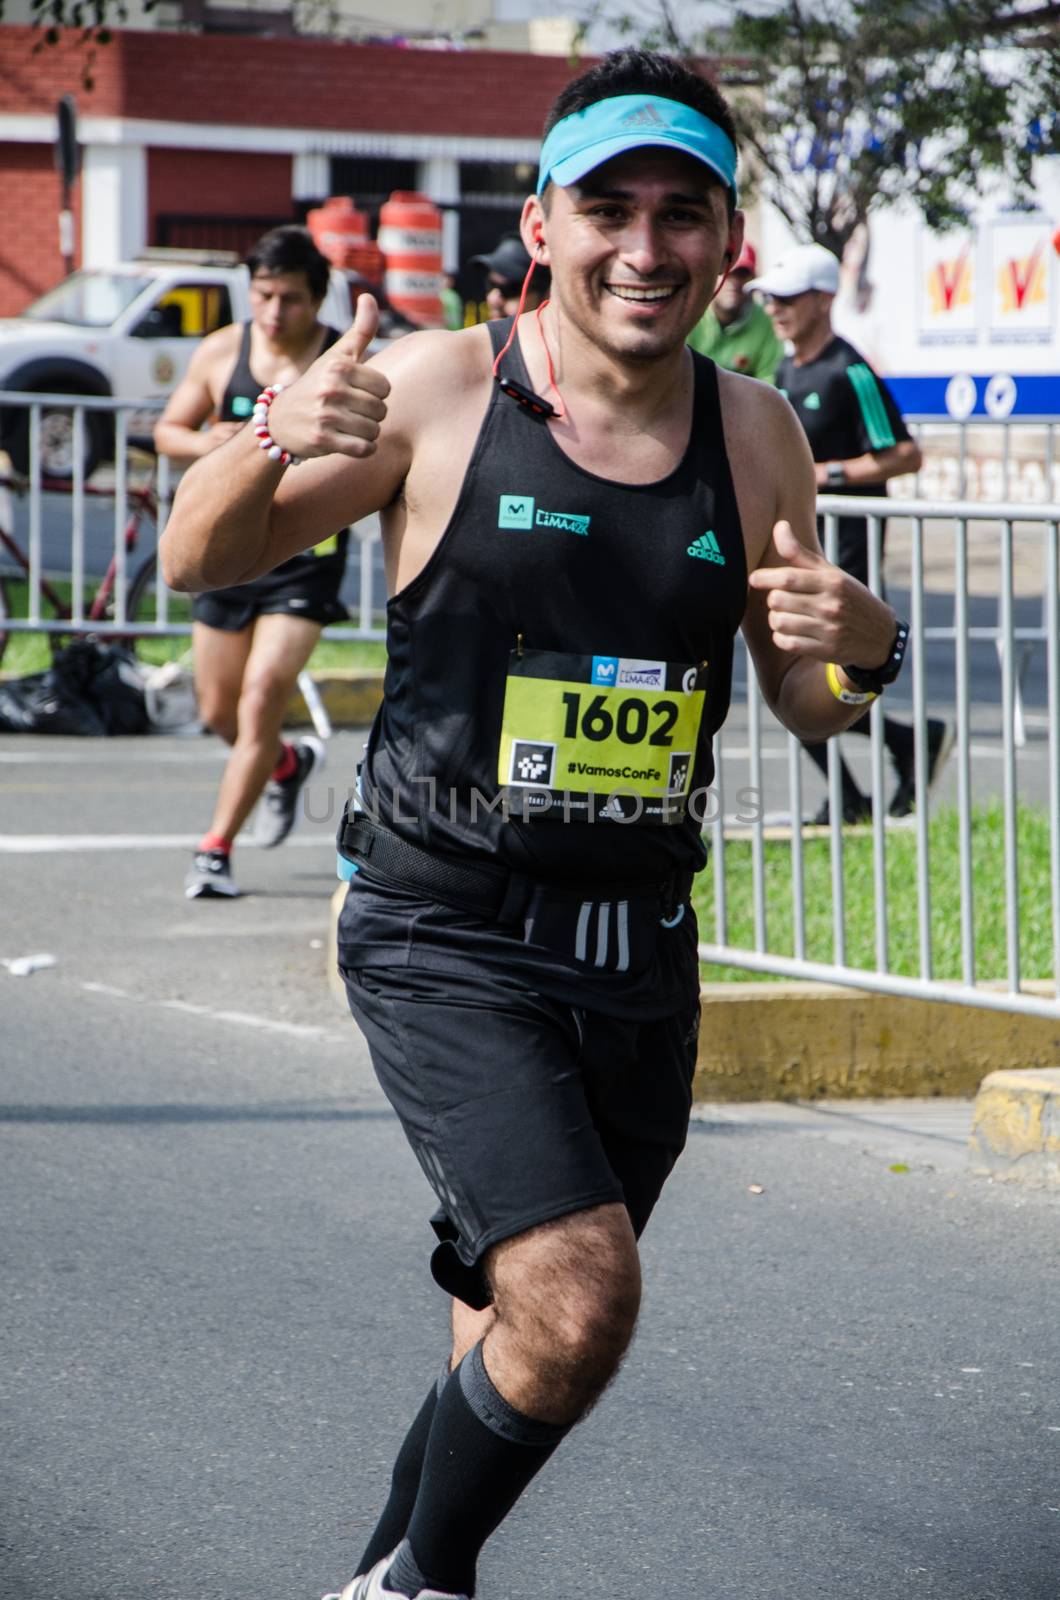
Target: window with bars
pixel 371 180
pixel 492 183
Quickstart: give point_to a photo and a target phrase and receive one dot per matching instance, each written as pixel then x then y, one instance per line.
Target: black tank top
pixel 237 404
pixel 603 595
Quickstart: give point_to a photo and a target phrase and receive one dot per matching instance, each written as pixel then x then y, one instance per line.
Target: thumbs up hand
pixel 816 609
pixel 337 406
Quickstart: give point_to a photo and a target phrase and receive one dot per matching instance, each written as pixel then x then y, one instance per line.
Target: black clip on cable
pixel 525 397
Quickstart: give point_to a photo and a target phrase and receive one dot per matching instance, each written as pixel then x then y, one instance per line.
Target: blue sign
pixel 1037 394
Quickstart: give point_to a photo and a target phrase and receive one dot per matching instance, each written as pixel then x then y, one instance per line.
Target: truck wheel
pixel 57 443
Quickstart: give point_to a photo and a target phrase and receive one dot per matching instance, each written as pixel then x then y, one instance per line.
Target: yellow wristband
pixel 849 697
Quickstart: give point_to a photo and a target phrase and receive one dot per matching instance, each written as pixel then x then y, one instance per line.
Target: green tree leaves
pixel 847 105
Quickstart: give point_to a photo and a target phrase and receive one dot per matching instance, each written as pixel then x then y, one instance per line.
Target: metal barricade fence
pixel 983 534
pixel 142 493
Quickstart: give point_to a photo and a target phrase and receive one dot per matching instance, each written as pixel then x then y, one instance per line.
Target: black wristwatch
pixel 873 680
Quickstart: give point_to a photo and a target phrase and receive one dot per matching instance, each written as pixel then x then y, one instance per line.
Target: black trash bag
pixel 45 704
pixel 90 689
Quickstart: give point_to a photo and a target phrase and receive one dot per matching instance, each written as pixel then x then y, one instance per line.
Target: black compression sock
pixel 404 1484
pixel 480 1457
pixel 900 741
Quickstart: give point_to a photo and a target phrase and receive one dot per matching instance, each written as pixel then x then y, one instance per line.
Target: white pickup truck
pixel 129 331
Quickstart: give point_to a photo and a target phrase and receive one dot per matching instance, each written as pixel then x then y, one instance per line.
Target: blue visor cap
pixel 629 122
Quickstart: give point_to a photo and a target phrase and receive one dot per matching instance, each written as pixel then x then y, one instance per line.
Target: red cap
pixel 746 261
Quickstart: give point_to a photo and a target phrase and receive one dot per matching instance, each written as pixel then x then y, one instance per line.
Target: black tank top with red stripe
pixel 557 643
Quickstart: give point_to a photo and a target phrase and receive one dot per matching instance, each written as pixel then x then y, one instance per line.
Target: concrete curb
pixel 805 1041
pixel 1016 1127
pixel 351 698
pixel 335 983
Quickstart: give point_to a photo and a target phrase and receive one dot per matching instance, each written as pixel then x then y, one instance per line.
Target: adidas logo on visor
pixel 643 117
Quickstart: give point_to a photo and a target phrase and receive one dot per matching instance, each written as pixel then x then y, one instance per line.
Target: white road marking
pixel 197 929
pixel 36 844
pixel 64 758
pixel 100 753
pixel 241 1019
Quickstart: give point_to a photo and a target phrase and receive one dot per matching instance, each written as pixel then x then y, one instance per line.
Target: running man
pixel 251 640
pixel 570 552
pixel 859 442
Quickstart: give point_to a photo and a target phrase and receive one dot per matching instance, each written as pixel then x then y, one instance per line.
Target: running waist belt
pixel 486 889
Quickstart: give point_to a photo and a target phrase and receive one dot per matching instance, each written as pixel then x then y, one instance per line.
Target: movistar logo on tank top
pixel 242 405
pixel 624 672
pixel 812 401
pixel 706 548
pixel 521 511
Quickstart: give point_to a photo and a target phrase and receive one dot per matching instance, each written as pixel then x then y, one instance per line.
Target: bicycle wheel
pixel 142 606
pixel 141 535
pixel 5 612
pixel 141 601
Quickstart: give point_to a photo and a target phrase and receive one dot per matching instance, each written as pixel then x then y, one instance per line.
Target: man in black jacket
pixel 859 441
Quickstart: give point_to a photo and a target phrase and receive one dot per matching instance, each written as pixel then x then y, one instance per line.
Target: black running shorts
pixel 522 1108
pixel 305 586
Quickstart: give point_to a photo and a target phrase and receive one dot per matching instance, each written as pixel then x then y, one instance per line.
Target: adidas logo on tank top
pixel 706 549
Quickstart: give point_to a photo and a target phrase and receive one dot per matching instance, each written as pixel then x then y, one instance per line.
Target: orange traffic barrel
pixel 338 229
pixel 367 260
pixel 410 237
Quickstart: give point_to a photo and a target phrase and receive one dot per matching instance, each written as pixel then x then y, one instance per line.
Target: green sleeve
pixel 769 352
pixel 703 334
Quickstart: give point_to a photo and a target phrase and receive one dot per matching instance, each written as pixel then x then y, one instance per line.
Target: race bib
pixel 608 738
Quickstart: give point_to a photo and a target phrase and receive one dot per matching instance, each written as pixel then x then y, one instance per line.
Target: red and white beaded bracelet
pixel 260 419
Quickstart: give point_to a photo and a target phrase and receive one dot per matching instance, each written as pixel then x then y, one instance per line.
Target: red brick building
pixel 207 139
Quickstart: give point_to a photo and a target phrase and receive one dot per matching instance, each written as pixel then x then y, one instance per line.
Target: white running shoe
pixel 210 877
pixel 370 1587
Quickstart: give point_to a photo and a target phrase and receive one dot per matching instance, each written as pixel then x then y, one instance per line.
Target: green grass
pixel 31 652
pixel 988 864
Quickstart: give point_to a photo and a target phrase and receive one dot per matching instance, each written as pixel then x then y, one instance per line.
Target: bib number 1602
pixel 631 721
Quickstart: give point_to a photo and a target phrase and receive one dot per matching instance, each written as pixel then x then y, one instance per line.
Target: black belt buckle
pixel 352 841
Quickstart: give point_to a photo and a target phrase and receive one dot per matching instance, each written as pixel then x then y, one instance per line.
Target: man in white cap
pixel 579 512
pixel 734 330
pixel 859 441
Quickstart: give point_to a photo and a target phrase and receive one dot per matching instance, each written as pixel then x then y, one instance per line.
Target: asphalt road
pixel 217 1319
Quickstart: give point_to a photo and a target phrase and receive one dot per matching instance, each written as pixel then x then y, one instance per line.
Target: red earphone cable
pixel 515 320
pixel 561 410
